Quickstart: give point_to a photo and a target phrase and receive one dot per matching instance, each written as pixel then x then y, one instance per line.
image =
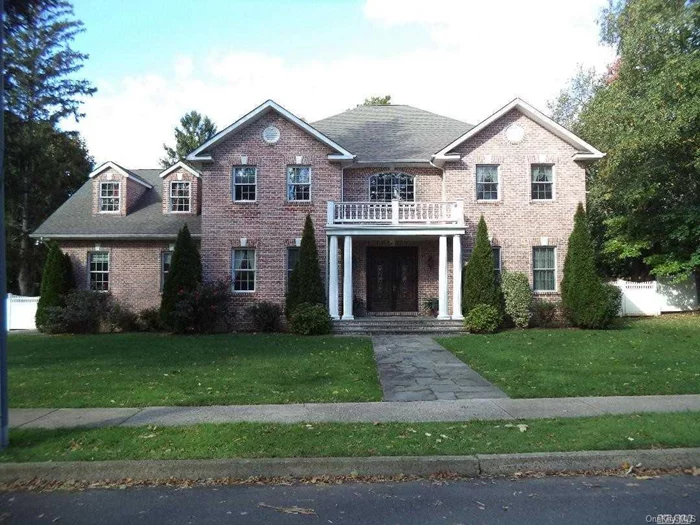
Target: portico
pixel 398 259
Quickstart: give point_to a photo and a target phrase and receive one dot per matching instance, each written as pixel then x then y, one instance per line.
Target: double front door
pixel 392 279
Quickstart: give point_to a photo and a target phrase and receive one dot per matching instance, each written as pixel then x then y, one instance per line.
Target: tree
pixel 645 195
pixel 571 100
pixel 480 285
pixel 377 101
pixel 305 284
pixel 184 275
pixel 194 130
pixel 40 91
pixel 584 295
pixel 57 281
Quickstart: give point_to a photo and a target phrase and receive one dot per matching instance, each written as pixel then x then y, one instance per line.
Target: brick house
pixel 395 194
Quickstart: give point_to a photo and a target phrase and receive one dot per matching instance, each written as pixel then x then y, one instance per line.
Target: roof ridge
pixel 361 106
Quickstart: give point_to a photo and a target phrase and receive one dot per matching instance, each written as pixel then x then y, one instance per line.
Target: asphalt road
pixel 527 501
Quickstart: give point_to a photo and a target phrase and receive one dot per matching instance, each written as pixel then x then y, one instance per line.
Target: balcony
pixel 396 214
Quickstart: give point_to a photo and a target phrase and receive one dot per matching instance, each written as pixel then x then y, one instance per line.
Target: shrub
pixel 56 282
pixel 119 318
pixel 547 314
pixel 431 305
pixel 149 320
pixel 480 285
pixel 586 299
pixel 84 312
pixel 311 319
pixel 206 309
pixel 184 275
pixel 265 316
pixel 305 284
pixel 517 298
pixel 483 319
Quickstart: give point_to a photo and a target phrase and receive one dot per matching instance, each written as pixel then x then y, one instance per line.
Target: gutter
pixel 115 236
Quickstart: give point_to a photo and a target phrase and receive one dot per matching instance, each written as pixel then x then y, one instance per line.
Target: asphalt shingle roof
pixel 391 133
pixel 75 218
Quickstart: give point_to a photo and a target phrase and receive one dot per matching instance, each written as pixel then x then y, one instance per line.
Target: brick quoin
pixel 272 223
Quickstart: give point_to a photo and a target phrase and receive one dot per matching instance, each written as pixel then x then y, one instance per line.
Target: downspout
pixel 443 175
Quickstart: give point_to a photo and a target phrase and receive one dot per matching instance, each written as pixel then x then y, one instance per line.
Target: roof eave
pixel 111 236
pixel 122 171
pixel 179 165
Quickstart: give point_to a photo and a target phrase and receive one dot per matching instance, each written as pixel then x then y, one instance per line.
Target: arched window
pixel 385 187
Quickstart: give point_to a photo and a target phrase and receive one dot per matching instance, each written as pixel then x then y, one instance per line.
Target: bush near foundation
pixel 310 319
pixel 517 298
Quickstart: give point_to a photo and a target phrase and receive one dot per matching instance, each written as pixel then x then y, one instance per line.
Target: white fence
pixel 657 297
pixel 20 312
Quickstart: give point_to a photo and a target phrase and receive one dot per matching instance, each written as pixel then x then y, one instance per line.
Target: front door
pixel 392 279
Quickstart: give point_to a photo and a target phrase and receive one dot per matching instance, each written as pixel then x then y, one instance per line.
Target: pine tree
pixel 479 285
pixel 305 284
pixel 184 275
pixel 56 282
pixel 582 289
pixel 194 130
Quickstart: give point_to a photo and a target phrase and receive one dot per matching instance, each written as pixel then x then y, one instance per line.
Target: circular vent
pixel 515 133
pixel 271 134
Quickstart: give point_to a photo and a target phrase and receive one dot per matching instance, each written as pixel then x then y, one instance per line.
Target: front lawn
pixel 257 440
pixel 642 357
pixel 133 370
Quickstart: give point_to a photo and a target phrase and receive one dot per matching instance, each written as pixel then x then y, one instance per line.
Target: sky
pixel 154 60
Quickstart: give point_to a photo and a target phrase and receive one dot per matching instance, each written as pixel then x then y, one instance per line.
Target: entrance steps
pixel 397 325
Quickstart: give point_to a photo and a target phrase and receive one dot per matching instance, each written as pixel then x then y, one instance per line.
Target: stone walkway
pixel 415 368
pixel 419 411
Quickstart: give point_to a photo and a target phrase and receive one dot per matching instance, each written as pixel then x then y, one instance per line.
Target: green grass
pixel 113 370
pixel 253 440
pixel 641 357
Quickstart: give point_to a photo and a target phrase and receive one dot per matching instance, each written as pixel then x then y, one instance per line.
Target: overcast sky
pixel 154 60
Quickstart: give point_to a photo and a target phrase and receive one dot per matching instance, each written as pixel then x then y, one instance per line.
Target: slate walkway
pixel 419 411
pixel 414 367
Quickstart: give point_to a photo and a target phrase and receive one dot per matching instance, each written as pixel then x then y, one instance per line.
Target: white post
pixel 330 213
pixel 333 277
pixel 442 279
pixel 457 277
pixel 347 279
pixel 394 211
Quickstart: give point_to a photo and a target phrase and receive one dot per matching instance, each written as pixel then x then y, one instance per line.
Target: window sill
pixel 545 292
pixel 542 201
pixel 489 201
pixel 242 292
pixel 244 202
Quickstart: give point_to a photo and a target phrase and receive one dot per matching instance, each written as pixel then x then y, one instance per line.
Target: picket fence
pixel 657 297
pixel 20 312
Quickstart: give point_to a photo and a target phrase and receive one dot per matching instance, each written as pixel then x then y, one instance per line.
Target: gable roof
pixel 391 133
pixel 585 150
pixel 201 153
pixel 123 171
pixel 178 165
pixel 146 220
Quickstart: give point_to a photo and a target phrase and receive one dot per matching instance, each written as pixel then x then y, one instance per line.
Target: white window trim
pixel 233 270
pixel 398 172
pixel 296 184
pixel 287 273
pixel 162 260
pixel 554 181
pixel 499 269
pixel 556 280
pixel 170 187
pixel 476 184
pixel 99 196
pixel 108 272
pixel 233 184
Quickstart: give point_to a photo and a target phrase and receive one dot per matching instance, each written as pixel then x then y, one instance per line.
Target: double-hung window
pixel 292 260
pixel 109 197
pixel 98 268
pixel 165 260
pixel 243 270
pixel 542 182
pixel 180 196
pixel 544 269
pixel 487 182
pixel 298 183
pixel 244 180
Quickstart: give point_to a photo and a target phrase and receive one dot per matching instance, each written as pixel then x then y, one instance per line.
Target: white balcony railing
pixel 396 213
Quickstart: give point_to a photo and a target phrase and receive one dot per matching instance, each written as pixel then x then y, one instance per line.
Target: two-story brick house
pixel 395 194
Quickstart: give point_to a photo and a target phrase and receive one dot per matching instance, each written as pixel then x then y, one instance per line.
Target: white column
pixel 347 279
pixel 333 277
pixel 442 279
pixel 457 277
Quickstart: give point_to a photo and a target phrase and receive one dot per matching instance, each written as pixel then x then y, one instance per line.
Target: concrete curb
pixel 470 466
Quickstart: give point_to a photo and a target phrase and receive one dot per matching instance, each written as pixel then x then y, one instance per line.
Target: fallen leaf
pixel 290 510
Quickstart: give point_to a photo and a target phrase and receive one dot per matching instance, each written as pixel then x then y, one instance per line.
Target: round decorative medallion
pixel 515 133
pixel 271 134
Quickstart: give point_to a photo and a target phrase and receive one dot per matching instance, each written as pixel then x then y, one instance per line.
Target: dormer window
pixel 180 196
pixel 109 197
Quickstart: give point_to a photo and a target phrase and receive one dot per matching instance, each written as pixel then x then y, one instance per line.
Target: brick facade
pixel 272 223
